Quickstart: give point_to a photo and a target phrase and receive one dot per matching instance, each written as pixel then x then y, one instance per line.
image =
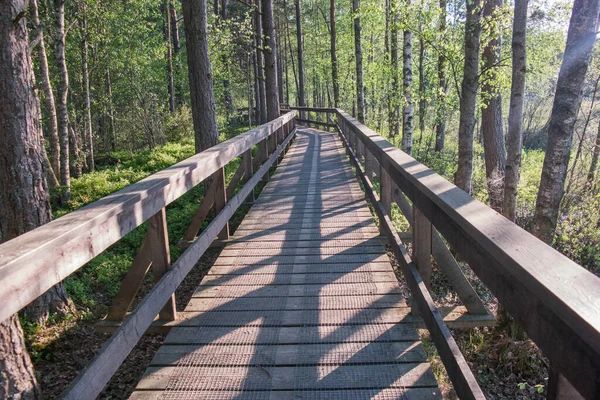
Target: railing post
pixel 221 199
pixel 158 239
pixel 385 188
pixel 263 155
pixel 421 256
pixel 248 172
pixel 560 388
pixel 328 121
pixel 369 164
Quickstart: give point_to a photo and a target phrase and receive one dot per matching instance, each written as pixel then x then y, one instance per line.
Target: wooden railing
pixel 33 262
pixel 556 301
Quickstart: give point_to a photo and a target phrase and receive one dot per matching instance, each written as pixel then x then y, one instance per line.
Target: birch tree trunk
pixel 491 120
pixel 260 58
pixel 394 96
pixel 270 54
pixel 440 127
pixel 334 62
pixel 407 109
pixel 176 50
pixel 200 75
pixel 514 138
pixel 468 97
pixel 88 136
pixel 360 89
pixel 169 56
pixel 47 89
pixel 580 41
pixel 300 43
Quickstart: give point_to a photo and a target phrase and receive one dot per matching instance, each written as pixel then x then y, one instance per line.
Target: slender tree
pixel 594 164
pixel 176 49
pixel 334 62
pixel 169 56
pixel 260 63
pixel 440 126
pixel 407 109
pixel 200 75
pixel 468 96
pixel 88 135
pixel 514 138
pixel 270 54
pixel 580 41
pixel 394 111
pixel 300 44
pixel 491 118
pixel 62 95
pixel 360 88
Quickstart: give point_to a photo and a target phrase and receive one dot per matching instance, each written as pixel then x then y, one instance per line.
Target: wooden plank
pixel 221 200
pixel 248 172
pixel 273 268
pixel 206 205
pixel 421 250
pixel 34 262
pixel 158 243
pixel 306 251
pixel 298 279
pixel 551 297
pixel 301 259
pixel 92 379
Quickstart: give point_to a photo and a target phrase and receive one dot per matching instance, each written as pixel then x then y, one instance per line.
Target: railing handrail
pixel 554 299
pixel 32 263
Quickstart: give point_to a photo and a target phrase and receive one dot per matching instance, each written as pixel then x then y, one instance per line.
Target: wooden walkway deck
pixel 302 304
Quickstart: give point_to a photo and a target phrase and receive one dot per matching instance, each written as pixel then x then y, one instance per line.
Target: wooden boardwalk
pixel 302 304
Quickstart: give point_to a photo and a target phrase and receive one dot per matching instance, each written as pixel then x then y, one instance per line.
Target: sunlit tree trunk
pixel 580 41
pixel 334 62
pixel 360 88
pixel 394 116
pixel 270 54
pixel 300 44
pixel 440 127
pixel 594 164
pixel 260 63
pixel 514 137
pixel 468 96
pixel 422 100
pixel 169 56
pixel 407 109
pixel 88 136
pixel 200 75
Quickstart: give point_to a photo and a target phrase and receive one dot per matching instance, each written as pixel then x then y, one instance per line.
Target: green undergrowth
pixel 94 285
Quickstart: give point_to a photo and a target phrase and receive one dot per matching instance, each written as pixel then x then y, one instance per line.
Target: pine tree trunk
pixel 514 138
pixel 280 64
pixel 394 116
pixel 260 61
pixel 200 75
pixel 468 97
pixel 300 41
pixel 360 88
pixel 112 134
pixel 169 56
pixel 594 164
pixel 47 89
pixel 62 94
pixel 334 62
pixel 407 110
pixel 229 107
pixel 580 41
pixel 440 127
pixel 24 200
pixel 270 54
pixel 491 121
pixel 88 136
pixel 176 50
pixel 256 79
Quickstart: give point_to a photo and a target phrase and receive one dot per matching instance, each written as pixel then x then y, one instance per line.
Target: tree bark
pixel 300 43
pixel 491 120
pixel 47 89
pixel 260 58
pixel 112 134
pixel 88 136
pixel 201 80
pixel 580 41
pixel 334 62
pixel 514 138
pixel 176 50
pixel 407 109
pixel 468 97
pixel 594 164
pixel 422 100
pixel 440 127
pixel 270 54
pixel 360 88
pixel 62 94
pixel 394 111
pixel 257 112
pixel 169 56
pixel 229 106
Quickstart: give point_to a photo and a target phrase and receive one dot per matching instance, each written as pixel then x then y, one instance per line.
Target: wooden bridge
pixel 303 301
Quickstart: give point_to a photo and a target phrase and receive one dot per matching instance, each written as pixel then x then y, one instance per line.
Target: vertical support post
pixel 221 199
pixel 369 164
pixel 422 231
pixel 248 172
pixel 560 388
pixel 328 121
pixel 385 188
pixel 263 155
pixel 359 150
pixel 158 238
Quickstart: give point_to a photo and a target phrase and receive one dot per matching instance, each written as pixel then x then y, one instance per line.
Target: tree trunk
pixel 407 110
pixel 440 127
pixel 360 89
pixel 88 136
pixel 271 84
pixel 169 56
pixel 229 106
pixel 260 59
pixel 280 64
pixel 468 97
pixel 422 100
pixel 200 76
pixel 334 62
pixel 515 114
pixel 24 200
pixel 176 50
pixel 491 120
pixel 580 41
pixel 594 165
pixel 75 162
pixel 47 89
pixel 112 134
pixel 62 93
pixel 256 111
pixel 300 40
pixel 394 111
